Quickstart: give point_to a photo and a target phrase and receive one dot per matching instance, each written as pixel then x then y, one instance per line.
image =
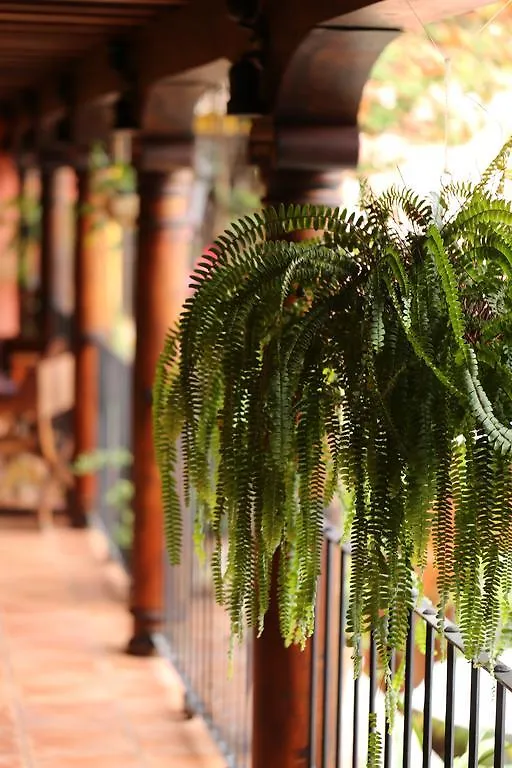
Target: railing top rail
pixel 451 632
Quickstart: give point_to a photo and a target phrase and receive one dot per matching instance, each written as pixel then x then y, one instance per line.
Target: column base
pixel 141 644
pixel 146 623
pixel 78 513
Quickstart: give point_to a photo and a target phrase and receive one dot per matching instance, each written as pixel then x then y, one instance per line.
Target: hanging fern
pixel 377 356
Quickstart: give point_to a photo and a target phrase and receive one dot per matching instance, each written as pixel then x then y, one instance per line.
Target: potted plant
pixel 375 356
pixel 21 219
pixel 123 200
pixel 115 187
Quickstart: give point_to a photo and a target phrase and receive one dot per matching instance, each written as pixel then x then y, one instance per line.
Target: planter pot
pixel 124 208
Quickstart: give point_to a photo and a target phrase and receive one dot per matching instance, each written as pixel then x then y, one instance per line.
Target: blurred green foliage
pixel 468 57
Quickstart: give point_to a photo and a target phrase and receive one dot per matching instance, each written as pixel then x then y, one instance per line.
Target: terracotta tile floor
pixel 69 696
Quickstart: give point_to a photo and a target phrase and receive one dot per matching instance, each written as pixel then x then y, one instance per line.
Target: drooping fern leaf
pixel 375 356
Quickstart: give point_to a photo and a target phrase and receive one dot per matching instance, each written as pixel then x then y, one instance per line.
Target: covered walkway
pixel 69 695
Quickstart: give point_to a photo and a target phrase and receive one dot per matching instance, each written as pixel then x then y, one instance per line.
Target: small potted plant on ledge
pixel 123 200
pixel 376 356
pixel 115 188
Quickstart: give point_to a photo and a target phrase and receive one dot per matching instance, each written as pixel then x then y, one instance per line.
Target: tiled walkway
pixel 69 696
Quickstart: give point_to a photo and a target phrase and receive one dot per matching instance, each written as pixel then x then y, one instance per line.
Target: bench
pixel 46 393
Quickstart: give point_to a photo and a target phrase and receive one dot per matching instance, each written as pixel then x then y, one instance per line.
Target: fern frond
pixel 376 355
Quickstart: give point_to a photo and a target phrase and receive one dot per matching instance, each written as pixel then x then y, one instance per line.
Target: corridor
pixel 69 696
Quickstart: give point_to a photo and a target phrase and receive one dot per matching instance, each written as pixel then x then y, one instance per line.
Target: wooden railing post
pixel 163 267
pixel 282 676
pixel 90 255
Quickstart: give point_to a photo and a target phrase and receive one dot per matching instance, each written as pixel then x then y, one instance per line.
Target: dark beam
pixel 47 20
pixel 35 31
pixel 149 3
pixel 51 9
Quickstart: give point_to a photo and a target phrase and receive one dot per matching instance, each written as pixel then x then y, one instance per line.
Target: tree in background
pixel 432 77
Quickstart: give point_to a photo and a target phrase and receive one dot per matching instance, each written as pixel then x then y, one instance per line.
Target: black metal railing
pixel 114 445
pixel 448 712
pixel 196 636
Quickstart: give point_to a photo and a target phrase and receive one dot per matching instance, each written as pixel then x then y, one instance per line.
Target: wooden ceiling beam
pixel 24 63
pixel 35 31
pixel 127 3
pixel 33 47
pixel 41 11
pixel 60 19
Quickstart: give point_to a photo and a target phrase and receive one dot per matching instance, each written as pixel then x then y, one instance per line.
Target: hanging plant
pixel 375 356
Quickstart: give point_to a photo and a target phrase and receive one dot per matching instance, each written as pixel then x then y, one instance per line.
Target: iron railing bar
pixel 474 717
pixel 194 639
pixel 204 627
pixel 247 705
pixel 313 697
pixel 427 705
pixel 372 727
pixel 449 715
pixel 499 728
pixel 409 672
pixel 211 661
pixel 341 646
pixel 388 736
pixel 327 656
pixel 355 726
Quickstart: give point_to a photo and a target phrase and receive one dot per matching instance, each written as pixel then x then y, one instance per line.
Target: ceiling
pixel 42 40
pixel 39 37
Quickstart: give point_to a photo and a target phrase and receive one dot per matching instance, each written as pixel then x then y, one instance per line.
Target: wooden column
pixel 161 286
pixel 90 254
pixel 9 284
pixel 62 290
pixel 282 676
pixel 49 238
pixel 28 252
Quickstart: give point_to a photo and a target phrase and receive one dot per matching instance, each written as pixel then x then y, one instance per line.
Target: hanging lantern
pixel 244 12
pixel 125 114
pixel 245 85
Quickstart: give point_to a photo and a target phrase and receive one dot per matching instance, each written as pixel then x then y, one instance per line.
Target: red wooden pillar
pixel 163 267
pixel 10 184
pixel 90 254
pixel 282 676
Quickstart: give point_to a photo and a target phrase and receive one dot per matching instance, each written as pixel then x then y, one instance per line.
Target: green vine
pixel 375 356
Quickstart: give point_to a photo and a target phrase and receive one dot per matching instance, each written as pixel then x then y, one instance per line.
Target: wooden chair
pixel 21 360
pixel 46 393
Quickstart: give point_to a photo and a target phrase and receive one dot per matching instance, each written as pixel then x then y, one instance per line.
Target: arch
pixel 317 100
